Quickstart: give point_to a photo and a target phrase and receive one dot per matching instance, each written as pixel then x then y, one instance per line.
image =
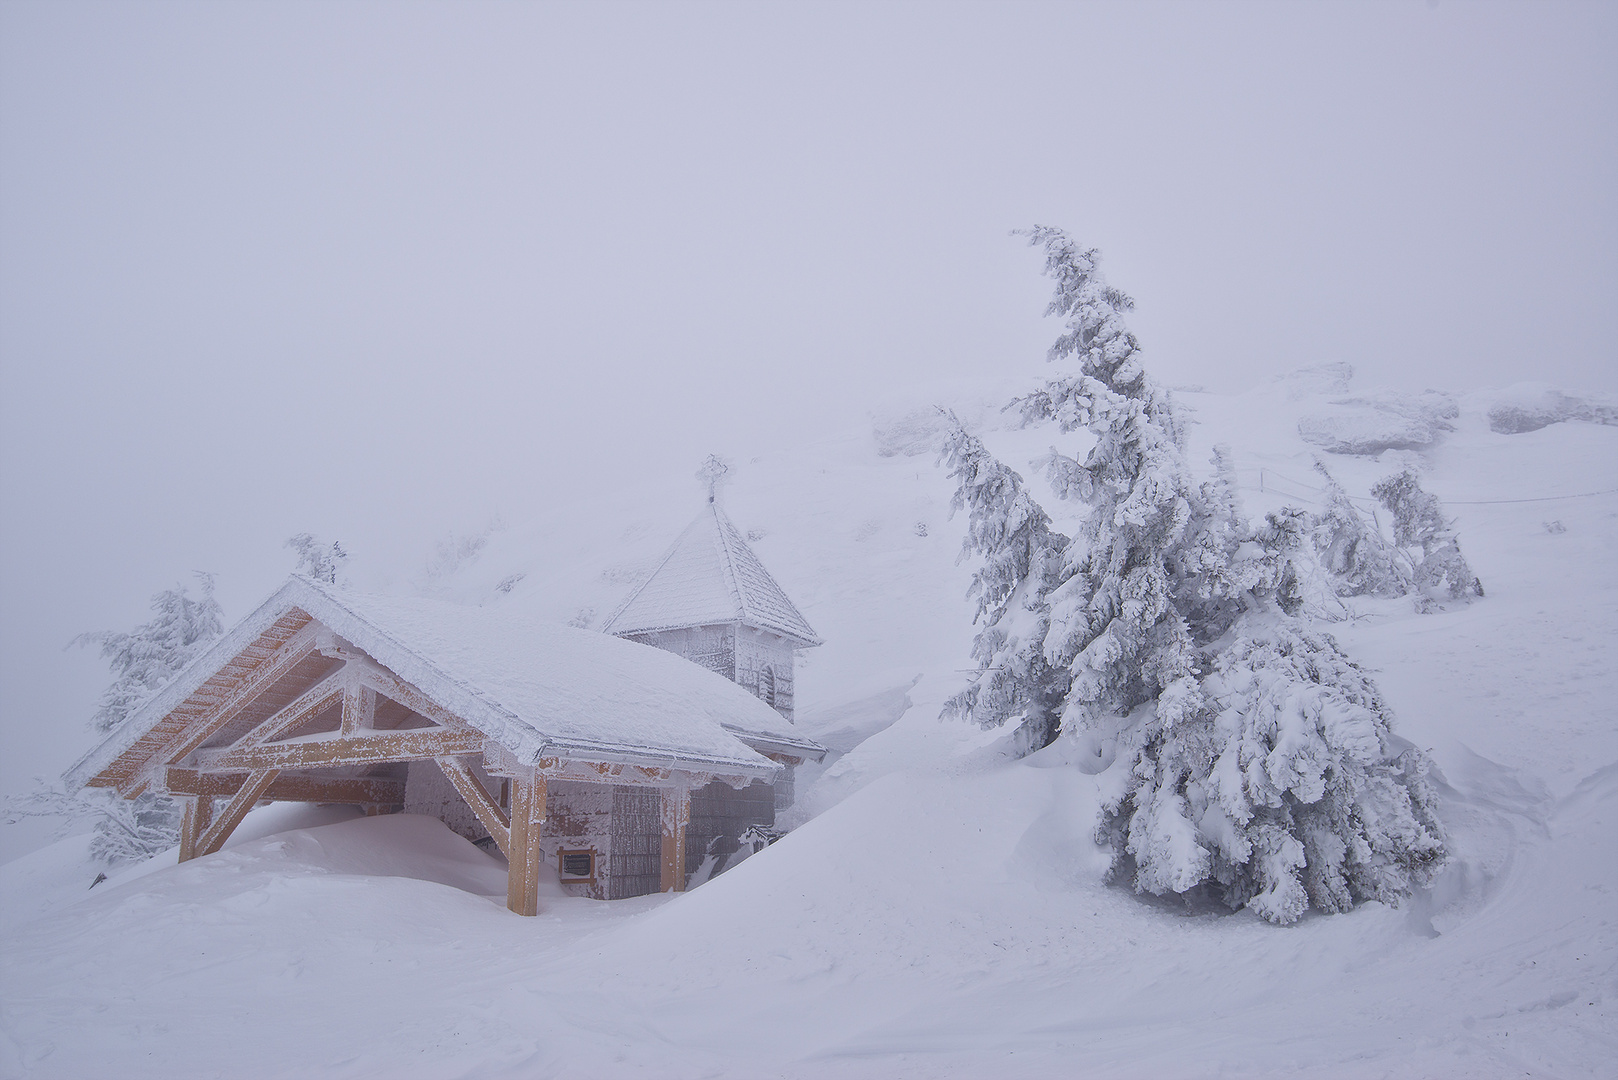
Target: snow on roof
pixel 709 575
pixel 537 688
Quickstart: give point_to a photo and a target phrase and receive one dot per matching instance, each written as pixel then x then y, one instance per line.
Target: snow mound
pixel 1368 424
pixel 1332 378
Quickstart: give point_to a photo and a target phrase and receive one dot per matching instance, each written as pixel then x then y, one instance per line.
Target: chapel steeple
pixel 710 600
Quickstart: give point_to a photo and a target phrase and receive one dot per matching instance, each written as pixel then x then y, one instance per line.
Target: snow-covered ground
pixel 940 912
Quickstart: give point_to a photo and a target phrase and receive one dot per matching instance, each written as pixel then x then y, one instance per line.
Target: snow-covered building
pixel 710 600
pixel 564 746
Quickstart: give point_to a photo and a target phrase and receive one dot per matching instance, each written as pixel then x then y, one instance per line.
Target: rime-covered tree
pixel 1419 524
pixel 1249 759
pixel 316 558
pixel 1009 531
pixel 143 660
pixel 1353 550
pixel 147 657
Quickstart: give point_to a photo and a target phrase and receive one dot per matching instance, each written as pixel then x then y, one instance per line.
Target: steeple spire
pixel 713 473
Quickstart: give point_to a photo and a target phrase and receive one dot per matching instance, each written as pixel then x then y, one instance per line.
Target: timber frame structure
pixel 332 697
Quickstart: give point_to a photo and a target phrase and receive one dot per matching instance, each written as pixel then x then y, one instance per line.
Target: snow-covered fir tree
pixel 1353 549
pixel 144 660
pixel 1009 531
pixel 1419 525
pixel 1244 756
pixel 316 558
pixel 147 657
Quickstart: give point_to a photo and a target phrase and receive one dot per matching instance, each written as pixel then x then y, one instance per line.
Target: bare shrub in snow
pixel 1249 759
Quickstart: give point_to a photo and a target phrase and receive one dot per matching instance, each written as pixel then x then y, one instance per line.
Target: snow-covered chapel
pixel 621 768
pixel 711 601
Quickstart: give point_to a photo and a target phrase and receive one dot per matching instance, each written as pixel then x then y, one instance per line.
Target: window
pixel 766 686
pixel 576 865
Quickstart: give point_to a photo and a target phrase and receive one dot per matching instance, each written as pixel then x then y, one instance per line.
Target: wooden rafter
pixel 294 651
pixel 298 711
pixel 358 790
pixel 336 749
pixel 477 797
pixel 384 682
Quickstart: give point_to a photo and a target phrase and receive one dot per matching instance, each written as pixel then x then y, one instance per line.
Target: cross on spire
pixel 712 473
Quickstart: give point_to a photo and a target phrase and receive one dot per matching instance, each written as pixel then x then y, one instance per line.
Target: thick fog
pixel 380 271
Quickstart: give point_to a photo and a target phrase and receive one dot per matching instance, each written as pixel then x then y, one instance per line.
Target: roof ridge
pixel 724 527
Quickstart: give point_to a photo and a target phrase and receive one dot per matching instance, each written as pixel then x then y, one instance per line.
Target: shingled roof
pixel 709 576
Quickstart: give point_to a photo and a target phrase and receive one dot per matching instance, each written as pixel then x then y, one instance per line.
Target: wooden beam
pixel 231 816
pixel 617 773
pixel 335 750
pixel 676 815
pixel 359 707
pixel 392 687
pixel 477 797
pixel 198 815
pixel 299 710
pixel 523 852
pixel 294 651
pixel 358 790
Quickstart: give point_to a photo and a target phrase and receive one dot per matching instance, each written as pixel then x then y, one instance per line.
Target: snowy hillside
pixel 940 910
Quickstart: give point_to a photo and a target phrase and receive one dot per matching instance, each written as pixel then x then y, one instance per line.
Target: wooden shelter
pixel 561 745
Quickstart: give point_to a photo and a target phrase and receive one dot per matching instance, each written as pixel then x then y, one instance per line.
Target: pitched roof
pixel 709 575
pixel 536 688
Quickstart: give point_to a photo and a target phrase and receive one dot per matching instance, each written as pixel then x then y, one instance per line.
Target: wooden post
pixel 523 851
pixel 359 708
pixel 676 815
pixel 198 816
pixel 246 796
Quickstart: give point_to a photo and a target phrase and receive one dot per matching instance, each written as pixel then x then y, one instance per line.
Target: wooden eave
pixel 127 771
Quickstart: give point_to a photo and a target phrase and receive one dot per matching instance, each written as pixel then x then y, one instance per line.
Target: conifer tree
pixel 143 660
pixel 1250 760
pixel 147 657
pixel 1009 531
pixel 1353 550
pixel 1419 524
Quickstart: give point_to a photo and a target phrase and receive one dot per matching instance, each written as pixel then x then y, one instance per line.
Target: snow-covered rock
pixel 1371 423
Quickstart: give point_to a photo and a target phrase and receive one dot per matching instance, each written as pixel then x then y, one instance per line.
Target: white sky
pixel 378 271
